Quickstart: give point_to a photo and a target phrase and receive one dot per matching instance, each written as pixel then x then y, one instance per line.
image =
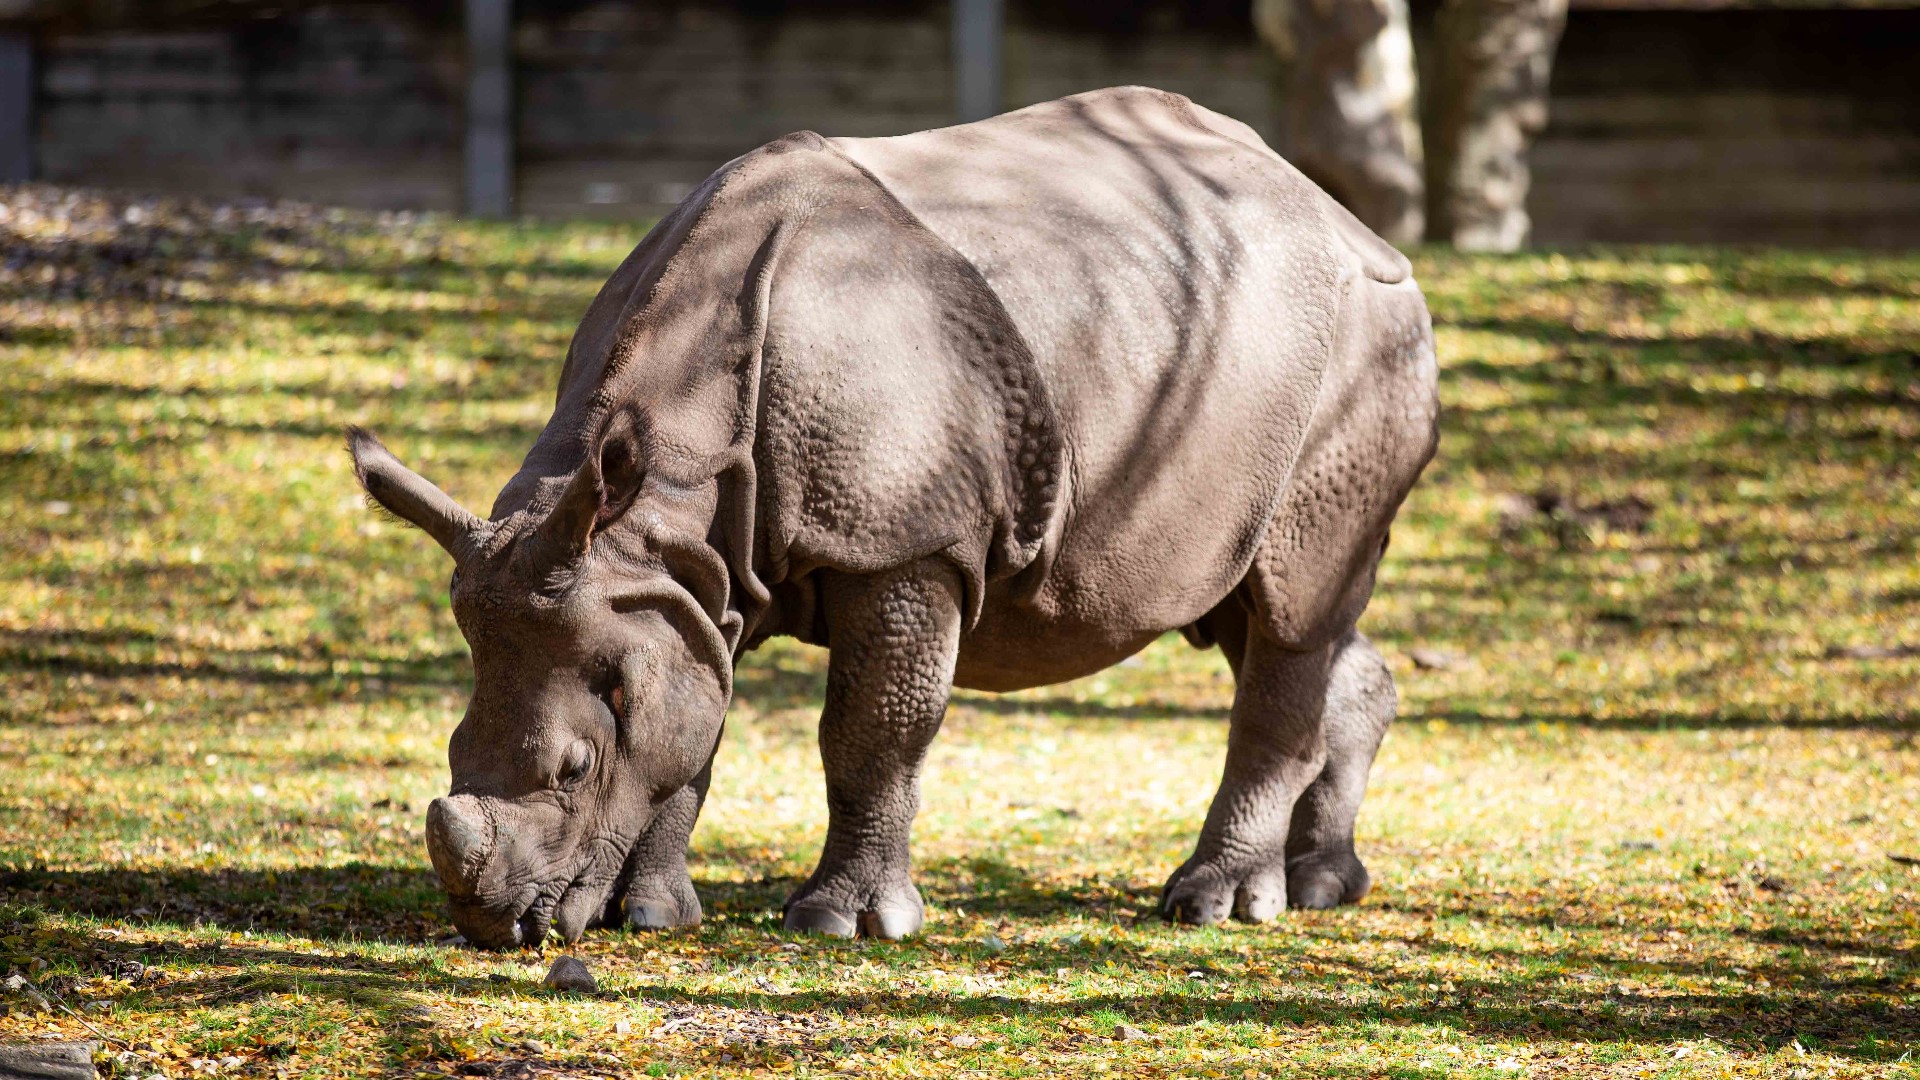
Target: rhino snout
pixel 460 836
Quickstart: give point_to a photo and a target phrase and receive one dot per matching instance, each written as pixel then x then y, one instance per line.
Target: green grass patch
pixel 1637 819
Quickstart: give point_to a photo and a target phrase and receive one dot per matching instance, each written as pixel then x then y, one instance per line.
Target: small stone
pixel 1129 1033
pixel 622 1027
pixel 18 984
pixel 993 944
pixel 1433 659
pixel 964 1042
pixel 569 973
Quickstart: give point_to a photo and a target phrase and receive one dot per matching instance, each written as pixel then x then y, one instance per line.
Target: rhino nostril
pixel 458 840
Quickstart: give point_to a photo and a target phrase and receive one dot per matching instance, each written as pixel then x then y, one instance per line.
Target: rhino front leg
pixel 894 639
pixel 657 893
pixel 1322 867
pixel 1276 748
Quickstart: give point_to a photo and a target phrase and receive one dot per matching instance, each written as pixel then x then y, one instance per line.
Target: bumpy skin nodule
pixel 992 406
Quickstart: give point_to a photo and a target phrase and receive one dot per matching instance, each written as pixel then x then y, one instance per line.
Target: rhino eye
pixel 576 765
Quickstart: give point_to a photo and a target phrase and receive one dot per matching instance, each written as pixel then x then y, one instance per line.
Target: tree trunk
pixel 1350 120
pixel 1490 101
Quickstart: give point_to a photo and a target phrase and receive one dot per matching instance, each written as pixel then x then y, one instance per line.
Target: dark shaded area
pixel 1858 1015
pixel 1821 49
pixel 358 901
pixel 1723 720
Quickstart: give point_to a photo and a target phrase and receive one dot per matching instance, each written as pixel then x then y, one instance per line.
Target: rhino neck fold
pixel 675 338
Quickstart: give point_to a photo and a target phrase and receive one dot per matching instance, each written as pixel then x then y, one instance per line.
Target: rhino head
pixel 599 690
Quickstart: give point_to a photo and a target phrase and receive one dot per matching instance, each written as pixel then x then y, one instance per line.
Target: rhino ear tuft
pixel 409 496
pixel 603 489
pixel 621 471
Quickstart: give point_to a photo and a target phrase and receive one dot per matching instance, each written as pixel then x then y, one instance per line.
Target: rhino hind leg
pixel 1307 720
pixel 894 638
pixel 656 892
pixel 1322 868
pixel 1276 749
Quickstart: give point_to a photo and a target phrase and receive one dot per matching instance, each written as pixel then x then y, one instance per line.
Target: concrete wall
pixel 1754 126
pixel 1795 127
pixel 625 108
pixel 353 106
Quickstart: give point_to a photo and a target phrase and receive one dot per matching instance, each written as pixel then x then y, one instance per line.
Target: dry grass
pixel 1641 826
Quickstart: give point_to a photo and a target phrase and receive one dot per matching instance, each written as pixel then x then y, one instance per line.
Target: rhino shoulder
pixel 901 412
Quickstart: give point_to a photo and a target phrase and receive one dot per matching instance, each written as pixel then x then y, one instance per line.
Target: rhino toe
pixel 813 919
pixel 851 908
pixel 1209 896
pixel 668 909
pixel 1326 882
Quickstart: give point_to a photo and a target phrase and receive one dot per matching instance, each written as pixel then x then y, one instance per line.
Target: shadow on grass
pixel 1897 720
pixel 1075 709
pixel 393 994
pixel 354 902
pixel 1308 970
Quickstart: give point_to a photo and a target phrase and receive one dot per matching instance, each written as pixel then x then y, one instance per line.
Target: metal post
pixel 16 108
pixel 977 29
pixel 490 108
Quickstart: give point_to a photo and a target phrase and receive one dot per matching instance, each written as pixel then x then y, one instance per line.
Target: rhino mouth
pixel 517 924
pixel 532 925
pixel 569 903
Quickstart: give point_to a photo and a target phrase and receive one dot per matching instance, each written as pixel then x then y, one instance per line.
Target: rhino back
pixel 1177 284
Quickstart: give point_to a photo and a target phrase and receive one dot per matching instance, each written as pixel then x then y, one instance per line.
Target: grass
pixel 1638 821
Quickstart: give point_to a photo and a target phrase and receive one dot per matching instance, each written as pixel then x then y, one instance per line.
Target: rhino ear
pixel 411 497
pixel 602 490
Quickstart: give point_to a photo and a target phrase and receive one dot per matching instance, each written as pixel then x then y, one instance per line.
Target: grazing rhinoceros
pixel 994 406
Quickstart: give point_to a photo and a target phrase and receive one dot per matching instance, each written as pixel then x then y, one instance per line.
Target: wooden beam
pixel 978 26
pixel 16 107
pixel 490 108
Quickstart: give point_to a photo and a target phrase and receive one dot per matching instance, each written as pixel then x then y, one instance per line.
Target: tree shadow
pixel 1719 720
pixel 1028 704
pixel 353 902
pixel 1309 972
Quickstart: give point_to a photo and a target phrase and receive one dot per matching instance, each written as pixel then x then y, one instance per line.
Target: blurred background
pixel 1487 123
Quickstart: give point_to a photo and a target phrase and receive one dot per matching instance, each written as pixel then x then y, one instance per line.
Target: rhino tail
pixel 1378 259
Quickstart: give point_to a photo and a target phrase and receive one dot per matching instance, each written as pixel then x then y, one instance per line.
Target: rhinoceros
pixel 992 406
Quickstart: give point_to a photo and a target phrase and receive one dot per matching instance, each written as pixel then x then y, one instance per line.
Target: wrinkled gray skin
pixel 992 406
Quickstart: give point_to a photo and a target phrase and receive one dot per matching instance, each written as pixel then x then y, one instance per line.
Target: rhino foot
pixel 1208 894
pixel 1324 880
pixel 886 912
pixel 662 906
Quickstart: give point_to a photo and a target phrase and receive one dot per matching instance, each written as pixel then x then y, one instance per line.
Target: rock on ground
pixel 569 973
pixel 47 1061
